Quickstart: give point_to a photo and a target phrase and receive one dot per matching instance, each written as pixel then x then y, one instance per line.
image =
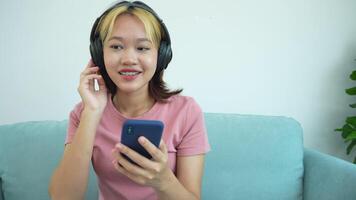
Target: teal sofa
pixel 252 158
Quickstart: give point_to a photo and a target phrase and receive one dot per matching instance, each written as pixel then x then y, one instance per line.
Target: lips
pixel 129 74
pixel 129 71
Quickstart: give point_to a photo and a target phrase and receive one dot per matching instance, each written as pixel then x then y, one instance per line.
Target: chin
pixel 131 88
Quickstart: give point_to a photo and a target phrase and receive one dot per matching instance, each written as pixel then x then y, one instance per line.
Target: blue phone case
pixel 133 129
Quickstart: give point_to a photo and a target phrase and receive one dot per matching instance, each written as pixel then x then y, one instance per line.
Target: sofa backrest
pixel 253 157
pixel 29 152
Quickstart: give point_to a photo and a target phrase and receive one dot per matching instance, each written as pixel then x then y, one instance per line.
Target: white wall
pixel 276 57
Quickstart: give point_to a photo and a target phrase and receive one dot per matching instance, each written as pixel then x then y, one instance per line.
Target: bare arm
pixel 70 179
pixel 188 182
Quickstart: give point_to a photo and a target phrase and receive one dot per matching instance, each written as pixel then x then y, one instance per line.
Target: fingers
pixel 133 155
pixel 88 75
pixel 101 83
pixel 158 154
pixel 126 167
pixel 124 171
pixel 163 147
pixel 91 70
pixel 90 63
pixel 88 80
pixel 149 172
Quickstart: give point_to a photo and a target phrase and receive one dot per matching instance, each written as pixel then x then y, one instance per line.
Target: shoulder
pixel 78 107
pixel 184 106
pixel 77 110
pixel 181 100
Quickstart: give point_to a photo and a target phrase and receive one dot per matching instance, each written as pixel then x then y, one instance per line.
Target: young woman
pixel 130 47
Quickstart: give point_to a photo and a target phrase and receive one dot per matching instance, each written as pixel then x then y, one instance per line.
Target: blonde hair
pixel 152 26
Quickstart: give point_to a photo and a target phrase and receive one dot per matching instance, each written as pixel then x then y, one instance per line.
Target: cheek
pixel 151 61
pixel 109 59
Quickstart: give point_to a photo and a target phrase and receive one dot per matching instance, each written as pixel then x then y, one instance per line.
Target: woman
pixel 130 46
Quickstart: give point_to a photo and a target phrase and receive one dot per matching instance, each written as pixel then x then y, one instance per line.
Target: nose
pixel 129 57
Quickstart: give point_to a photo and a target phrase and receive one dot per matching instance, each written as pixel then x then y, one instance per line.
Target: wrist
pixel 168 183
pixel 92 114
pixel 93 111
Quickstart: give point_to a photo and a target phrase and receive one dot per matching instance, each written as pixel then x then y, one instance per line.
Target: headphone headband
pixel 132 5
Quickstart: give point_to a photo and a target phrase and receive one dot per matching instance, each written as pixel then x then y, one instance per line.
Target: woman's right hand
pixel 92 100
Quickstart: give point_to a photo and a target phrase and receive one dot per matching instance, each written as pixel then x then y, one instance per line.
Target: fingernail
pixel 119 146
pixel 142 139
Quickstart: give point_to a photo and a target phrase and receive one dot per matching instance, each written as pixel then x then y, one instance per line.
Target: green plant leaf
pixel 351 120
pixel 353 105
pixel 351 91
pixel 338 129
pixel 346 130
pixel 351 145
pixel 353 75
pixel 351 136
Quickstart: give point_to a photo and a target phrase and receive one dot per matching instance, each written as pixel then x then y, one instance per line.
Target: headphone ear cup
pixel 96 52
pixel 164 55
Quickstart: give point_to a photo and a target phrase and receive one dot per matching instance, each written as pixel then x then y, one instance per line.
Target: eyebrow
pixel 121 39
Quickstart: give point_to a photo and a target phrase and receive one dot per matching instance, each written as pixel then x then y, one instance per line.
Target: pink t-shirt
pixel 184 135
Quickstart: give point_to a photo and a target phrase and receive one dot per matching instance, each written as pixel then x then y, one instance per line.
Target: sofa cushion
pixel 253 157
pixel 29 152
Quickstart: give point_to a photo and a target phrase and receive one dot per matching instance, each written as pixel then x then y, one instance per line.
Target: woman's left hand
pixel 155 172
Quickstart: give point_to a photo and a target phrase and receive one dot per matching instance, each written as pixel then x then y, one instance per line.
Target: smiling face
pixel 130 57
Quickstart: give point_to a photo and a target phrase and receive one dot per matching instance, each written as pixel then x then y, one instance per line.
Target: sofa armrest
pixel 327 177
pixel 1 193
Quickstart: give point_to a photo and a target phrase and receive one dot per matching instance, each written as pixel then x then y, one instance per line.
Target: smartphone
pixel 133 129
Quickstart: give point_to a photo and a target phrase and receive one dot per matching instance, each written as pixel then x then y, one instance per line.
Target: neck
pixel 133 105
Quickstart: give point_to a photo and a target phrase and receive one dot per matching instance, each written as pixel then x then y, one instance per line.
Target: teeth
pixel 129 73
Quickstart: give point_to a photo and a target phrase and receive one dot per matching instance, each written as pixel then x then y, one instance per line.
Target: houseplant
pixel 348 131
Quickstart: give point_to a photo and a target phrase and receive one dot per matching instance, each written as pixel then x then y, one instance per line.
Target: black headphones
pixel 96 44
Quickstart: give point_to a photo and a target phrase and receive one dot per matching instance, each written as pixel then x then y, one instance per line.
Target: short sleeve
pixel 195 139
pixel 73 123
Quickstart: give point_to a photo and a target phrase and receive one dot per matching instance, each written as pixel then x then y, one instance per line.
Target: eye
pixel 143 48
pixel 116 47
